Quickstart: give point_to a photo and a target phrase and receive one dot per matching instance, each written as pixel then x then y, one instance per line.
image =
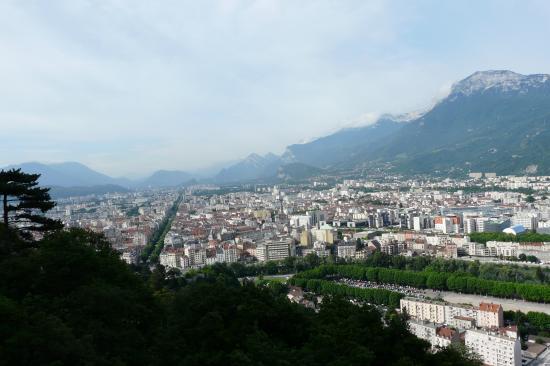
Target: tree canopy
pixel 71 300
pixel 24 202
pixel 529 236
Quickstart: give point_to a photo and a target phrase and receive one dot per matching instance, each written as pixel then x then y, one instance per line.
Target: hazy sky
pixel 128 87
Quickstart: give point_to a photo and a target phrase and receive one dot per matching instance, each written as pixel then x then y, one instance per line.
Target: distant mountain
pixel 298 171
pixel 166 178
pixel 75 177
pixel 211 170
pixel 57 192
pixel 268 168
pixel 252 167
pixel 68 174
pixel 496 121
pixel 492 121
pixel 343 145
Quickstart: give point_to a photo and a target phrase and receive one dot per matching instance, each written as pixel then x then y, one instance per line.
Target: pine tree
pixel 24 203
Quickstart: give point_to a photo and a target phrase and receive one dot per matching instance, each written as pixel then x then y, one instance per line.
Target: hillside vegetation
pixel 69 300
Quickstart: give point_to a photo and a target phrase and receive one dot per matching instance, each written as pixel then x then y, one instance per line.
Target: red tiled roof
pixel 494 308
pixel 445 332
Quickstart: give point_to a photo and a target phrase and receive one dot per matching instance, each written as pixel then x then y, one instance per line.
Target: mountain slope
pixel 73 176
pixel 166 178
pixel 492 121
pixel 68 174
pixel 343 145
pixel 252 167
pixel 298 171
pixel 497 121
pixel 57 192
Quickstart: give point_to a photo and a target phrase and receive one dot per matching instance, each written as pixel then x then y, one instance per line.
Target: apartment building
pixel 462 317
pixel 423 310
pixel 170 259
pixel 490 315
pixel 346 250
pixel 275 250
pixel 324 233
pixel 174 258
pixel 487 315
pixel 528 221
pixel 494 349
pixel 439 336
pixel 502 248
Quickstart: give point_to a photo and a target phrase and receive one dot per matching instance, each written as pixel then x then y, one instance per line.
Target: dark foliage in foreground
pixel 71 301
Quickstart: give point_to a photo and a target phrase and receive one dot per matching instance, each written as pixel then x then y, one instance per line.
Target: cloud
pixel 133 86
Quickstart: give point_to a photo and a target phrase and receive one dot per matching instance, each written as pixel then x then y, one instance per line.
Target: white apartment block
pixel 438 336
pixel 462 322
pixel 461 317
pixel 300 221
pixel 510 249
pixel 503 248
pixel 174 259
pixel 443 224
pixel 529 221
pixel 487 315
pixel 424 310
pixel 490 315
pixel 229 254
pixel 196 254
pixel 539 250
pixel 418 222
pixel 470 225
pixel 346 250
pixel 478 249
pixel 170 259
pixel 495 345
pixel 493 348
pixel 275 250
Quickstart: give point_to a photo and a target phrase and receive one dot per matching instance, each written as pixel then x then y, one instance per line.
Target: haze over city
pixel 131 87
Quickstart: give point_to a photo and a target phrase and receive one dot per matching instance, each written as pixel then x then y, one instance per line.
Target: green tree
pixel 474 268
pixel 540 275
pixel 24 203
pixel 312 260
pixel 72 301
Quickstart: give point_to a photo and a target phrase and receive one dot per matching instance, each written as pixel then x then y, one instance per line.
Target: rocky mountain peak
pixel 502 80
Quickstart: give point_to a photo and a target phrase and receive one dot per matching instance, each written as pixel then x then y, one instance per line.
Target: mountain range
pixel 491 121
pixel 71 177
pixel 497 121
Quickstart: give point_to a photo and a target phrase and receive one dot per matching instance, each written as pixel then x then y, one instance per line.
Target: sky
pixel 131 86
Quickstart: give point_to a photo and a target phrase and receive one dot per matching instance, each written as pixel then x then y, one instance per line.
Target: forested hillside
pixel 69 300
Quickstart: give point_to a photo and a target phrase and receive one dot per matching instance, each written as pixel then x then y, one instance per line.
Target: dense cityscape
pixel 275 183
pixel 393 215
pixel 482 219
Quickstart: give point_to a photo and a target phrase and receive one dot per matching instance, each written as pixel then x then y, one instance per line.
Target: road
pixel 501 261
pixel 458 298
pixel 507 304
pixel 542 360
